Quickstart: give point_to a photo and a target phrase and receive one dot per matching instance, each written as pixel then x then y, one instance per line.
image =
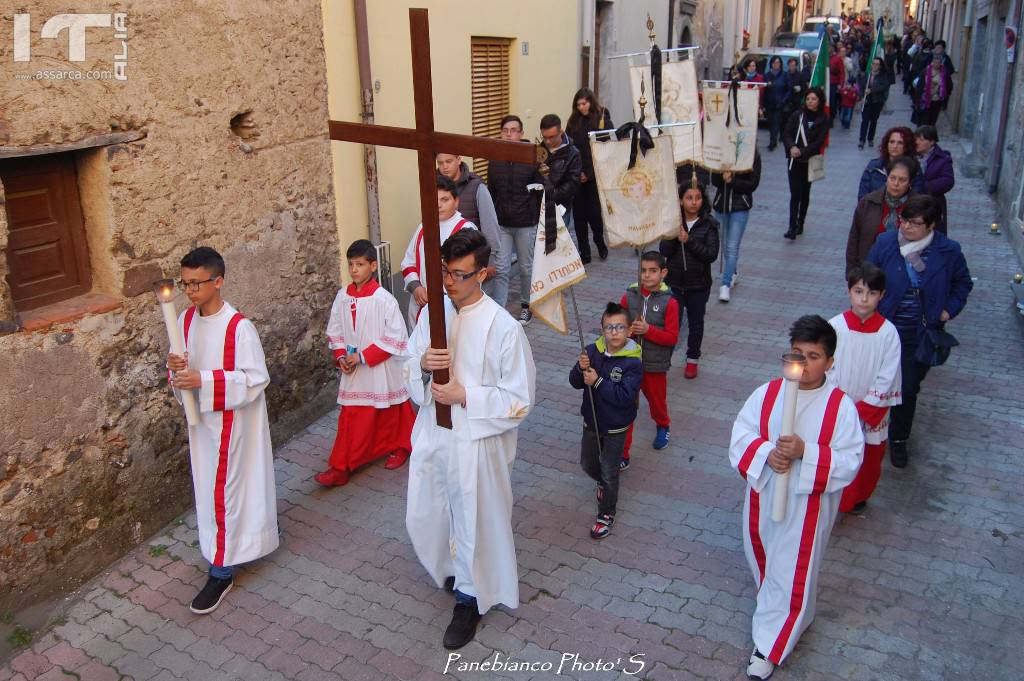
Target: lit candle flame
pixel 793 366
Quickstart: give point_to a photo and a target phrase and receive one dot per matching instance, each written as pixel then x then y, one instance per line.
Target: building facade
pixel 173 127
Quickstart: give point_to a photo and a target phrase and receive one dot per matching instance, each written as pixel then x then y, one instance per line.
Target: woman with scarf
pixel 879 211
pixel 937 176
pixel 935 83
pixel 927 284
pixel 588 115
pixel 803 137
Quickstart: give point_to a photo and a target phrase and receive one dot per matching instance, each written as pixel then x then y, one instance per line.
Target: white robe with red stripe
pixel 867 368
pixel 785 557
pixel 232 459
pixel 413 263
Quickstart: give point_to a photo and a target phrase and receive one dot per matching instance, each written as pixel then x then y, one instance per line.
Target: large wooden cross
pixel 428 143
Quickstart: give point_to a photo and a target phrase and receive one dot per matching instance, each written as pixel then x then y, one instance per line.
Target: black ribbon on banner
pixel 732 106
pixel 656 80
pixel 550 222
pixel 641 138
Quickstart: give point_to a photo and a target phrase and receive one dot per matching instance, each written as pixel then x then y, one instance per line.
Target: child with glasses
pixel 367 338
pixel 609 372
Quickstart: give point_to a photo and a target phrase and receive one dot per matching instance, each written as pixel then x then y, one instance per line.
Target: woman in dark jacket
pixel 927 284
pixel 896 142
pixel 775 99
pixel 875 85
pixel 689 257
pixel 803 137
pixel 587 115
pixel 733 201
pixel 879 212
pixel 936 169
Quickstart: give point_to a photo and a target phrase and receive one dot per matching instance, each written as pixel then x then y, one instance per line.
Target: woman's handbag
pixel 816 163
pixel 935 347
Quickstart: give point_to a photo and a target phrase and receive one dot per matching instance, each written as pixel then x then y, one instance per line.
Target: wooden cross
pixel 428 143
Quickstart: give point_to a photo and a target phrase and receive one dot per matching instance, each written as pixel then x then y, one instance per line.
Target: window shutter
pixel 490 74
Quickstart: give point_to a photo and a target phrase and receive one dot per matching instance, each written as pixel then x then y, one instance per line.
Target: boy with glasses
pixel 609 372
pixel 232 459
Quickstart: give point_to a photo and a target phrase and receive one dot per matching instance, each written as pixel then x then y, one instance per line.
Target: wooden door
pixel 47 256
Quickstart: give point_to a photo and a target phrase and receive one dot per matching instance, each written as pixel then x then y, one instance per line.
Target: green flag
pixel 819 76
pixel 877 48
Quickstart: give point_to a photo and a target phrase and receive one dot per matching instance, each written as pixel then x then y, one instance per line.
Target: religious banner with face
pixel 553 272
pixel 679 104
pixel 730 125
pixel 639 204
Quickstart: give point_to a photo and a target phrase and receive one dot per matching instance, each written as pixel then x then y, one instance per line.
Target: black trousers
pixel 603 468
pixel 912 372
pixel 799 195
pixel 695 304
pixel 586 216
pixel 869 121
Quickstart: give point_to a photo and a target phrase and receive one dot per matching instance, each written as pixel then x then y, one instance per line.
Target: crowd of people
pixel 862 368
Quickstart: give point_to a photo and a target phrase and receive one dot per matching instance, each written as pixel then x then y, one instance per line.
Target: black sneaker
pixel 462 627
pixel 898 453
pixel 623 465
pixel 790 233
pixel 602 527
pixel 525 316
pixel 602 253
pixel 210 597
pixel 449 584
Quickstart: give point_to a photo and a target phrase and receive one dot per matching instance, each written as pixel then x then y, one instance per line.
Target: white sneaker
pixel 759 667
pixel 723 293
pixel 735 279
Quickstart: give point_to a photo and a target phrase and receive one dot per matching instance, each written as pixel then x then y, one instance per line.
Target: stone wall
pixel 230 101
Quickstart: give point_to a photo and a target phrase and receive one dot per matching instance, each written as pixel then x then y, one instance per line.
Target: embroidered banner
pixel 552 273
pixel 680 103
pixel 730 126
pixel 639 204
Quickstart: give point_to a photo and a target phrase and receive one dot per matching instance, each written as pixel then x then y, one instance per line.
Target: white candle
pixel 164 290
pixel 792 370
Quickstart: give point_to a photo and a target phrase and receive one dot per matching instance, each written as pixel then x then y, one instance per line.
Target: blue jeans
pixel 733 226
pixel 520 240
pixel 846 116
pixel 222 572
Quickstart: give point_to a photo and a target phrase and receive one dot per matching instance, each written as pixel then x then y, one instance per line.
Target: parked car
pixel 813 24
pixel 807 41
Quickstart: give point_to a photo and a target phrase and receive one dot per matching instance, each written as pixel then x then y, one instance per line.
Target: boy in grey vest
pixel 656 328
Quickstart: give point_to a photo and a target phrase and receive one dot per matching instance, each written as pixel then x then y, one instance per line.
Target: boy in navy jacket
pixel 611 370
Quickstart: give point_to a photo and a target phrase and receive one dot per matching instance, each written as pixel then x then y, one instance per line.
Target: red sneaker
pixel 691 370
pixel 332 477
pixel 396 460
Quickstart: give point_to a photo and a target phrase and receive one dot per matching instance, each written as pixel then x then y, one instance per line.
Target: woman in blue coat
pixel 927 284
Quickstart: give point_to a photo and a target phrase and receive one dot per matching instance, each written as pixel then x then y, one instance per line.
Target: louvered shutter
pixel 490 90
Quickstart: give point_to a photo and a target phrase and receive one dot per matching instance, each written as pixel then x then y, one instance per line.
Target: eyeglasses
pixel 915 222
pixel 615 328
pixel 194 285
pixel 456 275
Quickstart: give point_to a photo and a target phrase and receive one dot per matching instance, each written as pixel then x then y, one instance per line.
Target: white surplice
pixel 232 458
pixel 413 263
pixel 459 513
pixel 370 322
pixel 867 366
pixel 785 557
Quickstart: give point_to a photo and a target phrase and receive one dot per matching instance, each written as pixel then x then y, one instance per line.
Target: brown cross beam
pixel 428 143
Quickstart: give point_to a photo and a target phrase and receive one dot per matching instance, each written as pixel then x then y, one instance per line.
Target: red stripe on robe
pixel 807 535
pixel 755 499
pixel 228 418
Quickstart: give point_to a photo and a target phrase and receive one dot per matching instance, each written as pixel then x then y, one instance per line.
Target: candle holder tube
pixel 792 369
pixel 164 290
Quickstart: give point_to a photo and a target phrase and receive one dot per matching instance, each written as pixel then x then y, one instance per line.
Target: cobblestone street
pixel 925 585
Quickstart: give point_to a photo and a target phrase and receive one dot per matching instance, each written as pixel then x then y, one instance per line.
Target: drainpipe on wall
pixel 1004 105
pixel 366 97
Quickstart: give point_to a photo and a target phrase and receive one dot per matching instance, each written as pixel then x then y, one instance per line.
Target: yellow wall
pixel 543 81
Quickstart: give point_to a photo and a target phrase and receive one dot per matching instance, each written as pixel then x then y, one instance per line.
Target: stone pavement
pixel 920 587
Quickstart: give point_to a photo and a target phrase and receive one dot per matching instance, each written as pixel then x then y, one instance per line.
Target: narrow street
pixel 925 585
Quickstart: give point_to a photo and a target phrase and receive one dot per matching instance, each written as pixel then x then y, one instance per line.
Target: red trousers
pixel 867 478
pixel 366 433
pixel 654 386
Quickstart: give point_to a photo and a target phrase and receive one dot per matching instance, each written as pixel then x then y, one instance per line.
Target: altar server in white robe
pixel 867 369
pixel 415 269
pixel 232 459
pixel 822 457
pixel 459 513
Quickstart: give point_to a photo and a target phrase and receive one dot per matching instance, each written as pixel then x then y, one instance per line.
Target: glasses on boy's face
pixel 457 275
pixel 914 222
pixel 615 328
pixel 194 285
